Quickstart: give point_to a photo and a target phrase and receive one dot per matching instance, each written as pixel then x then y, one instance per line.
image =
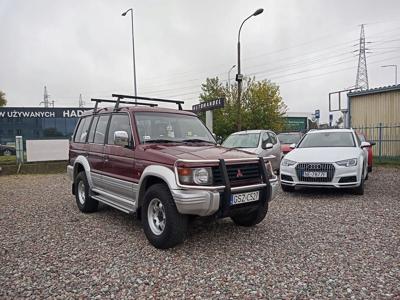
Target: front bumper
pixel 206 203
pixel 340 172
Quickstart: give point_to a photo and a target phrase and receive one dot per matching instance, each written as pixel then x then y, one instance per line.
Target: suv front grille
pixel 249 173
pixel 316 167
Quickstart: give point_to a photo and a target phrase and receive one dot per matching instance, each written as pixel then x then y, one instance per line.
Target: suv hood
pixel 169 153
pixel 250 150
pixel 323 154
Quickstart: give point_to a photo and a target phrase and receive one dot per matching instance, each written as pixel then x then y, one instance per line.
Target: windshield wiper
pixel 196 141
pixel 159 141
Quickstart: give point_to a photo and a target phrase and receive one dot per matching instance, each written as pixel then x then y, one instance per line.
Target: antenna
pixel 362 74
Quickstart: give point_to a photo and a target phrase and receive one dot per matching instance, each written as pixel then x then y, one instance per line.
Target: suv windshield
pixel 327 139
pixel 289 138
pixel 169 127
pixel 242 140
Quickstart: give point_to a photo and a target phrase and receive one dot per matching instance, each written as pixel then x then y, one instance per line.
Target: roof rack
pixel 117 102
pixel 119 97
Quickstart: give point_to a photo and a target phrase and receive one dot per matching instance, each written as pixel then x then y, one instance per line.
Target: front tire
pixel 163 225
pixel 252 218
pixel 85 203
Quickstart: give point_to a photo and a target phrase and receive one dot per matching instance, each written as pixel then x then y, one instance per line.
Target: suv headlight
pixel 199 176
pixel 288 162
pixel 347 162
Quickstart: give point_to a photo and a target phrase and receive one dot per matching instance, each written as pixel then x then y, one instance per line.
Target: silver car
pixel 261 142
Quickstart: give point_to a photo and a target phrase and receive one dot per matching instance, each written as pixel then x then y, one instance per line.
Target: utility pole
pixel 239 75
pixel 362 74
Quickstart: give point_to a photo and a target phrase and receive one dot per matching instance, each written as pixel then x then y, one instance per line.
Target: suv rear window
pixel 100 133
pixel 81 132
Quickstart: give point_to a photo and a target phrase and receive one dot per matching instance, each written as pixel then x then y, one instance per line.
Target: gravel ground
pixel 313 244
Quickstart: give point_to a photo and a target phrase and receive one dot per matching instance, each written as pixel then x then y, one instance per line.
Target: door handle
pixel 105 158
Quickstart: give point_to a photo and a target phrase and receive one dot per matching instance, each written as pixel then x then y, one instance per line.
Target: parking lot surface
pixel 313 244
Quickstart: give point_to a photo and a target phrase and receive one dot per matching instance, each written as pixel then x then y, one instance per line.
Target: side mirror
pixel 121 138
pixel 365 145
pixel 266 145
pixel 292 146
pixel 372 143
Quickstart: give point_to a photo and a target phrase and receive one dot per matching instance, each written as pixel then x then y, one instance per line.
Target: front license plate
pixel 315 174
pixel 245 197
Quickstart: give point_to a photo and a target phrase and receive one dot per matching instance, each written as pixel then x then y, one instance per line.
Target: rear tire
pixel 252 218
pixel 163 225
pixel 287 188
pixel 85 203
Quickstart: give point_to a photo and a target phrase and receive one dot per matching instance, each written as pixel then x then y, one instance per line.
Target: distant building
pixel 374 106
pixel 37 123
pixel 300 121
pixel 376 113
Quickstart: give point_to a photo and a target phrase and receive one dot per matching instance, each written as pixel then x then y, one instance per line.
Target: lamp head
pixel 124 14
pixel 258 11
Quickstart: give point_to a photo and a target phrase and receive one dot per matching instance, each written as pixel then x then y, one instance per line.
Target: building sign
pixel 296 123
pixel 38 112
pixel 210 105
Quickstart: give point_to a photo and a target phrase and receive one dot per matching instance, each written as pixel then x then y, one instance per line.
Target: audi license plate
pixel 245 197
pixel 314 174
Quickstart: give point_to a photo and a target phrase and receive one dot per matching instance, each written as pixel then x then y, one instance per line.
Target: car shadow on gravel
pixel 198 227
pixel 322 192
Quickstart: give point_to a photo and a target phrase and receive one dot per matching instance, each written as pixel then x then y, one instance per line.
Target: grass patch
pixel 8 160
pixel 387 162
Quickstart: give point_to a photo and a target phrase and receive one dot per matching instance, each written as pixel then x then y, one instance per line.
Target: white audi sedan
pixel 326 158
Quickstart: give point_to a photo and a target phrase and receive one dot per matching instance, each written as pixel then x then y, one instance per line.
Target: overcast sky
pixel 306 47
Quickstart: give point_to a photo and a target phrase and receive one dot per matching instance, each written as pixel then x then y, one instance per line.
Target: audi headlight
pixel 199 176
pixel 288 162
pixel 347 162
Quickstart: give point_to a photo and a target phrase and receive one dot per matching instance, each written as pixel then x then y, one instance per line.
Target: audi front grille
pixel 315 167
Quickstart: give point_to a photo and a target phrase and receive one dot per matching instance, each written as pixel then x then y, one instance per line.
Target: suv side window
pixel 273 138
pixel 100 132
pixel 93 128
pixel 119 122
pixel 82 131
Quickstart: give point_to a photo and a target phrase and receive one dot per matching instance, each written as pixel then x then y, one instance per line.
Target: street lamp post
pixel 395 71
pixel 133 53
pixel 229 77
pixel 239 76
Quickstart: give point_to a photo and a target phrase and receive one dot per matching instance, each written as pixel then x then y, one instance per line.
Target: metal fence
pixel 386 137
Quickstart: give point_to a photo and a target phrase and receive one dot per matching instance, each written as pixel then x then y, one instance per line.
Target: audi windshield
pixel 327 139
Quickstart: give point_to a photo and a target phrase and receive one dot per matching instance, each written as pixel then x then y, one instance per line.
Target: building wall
pixel 378 117
pixel 372 109
pixel 37 123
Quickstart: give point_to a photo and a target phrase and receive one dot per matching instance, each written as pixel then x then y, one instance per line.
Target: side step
pixel 114 201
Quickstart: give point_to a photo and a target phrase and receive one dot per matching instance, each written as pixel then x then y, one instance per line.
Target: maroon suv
pixel 164 165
